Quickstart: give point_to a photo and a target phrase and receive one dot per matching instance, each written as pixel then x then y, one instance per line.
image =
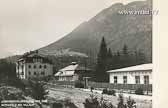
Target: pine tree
pixel 140 57
pixel 101 66
pixel 117 60
pixel 109 53
pixel 110 60
pixel 125 50
pixel 39 91
pixel 125 56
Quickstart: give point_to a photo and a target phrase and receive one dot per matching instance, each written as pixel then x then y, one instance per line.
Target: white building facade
pixel 33 65
pixel 73 72
pixel 68 73
pixel 140 74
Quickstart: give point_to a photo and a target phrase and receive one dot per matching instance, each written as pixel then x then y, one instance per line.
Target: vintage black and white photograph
pixel 76 53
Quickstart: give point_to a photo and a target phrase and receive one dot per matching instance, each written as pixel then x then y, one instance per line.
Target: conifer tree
pixel 110 59
pixel 125 56
pixel 109 53
pixel 101 66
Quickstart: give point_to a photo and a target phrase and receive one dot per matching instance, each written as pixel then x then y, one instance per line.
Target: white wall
pixel 20 70
pixel 48 70
pixel 131 76
pixel 74 77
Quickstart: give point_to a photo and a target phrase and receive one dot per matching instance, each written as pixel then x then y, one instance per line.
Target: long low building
pixel 139 74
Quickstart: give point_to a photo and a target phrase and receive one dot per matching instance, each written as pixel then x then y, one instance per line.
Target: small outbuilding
pixel 139 74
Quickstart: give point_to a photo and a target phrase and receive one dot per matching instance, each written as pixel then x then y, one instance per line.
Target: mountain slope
pixel 133 30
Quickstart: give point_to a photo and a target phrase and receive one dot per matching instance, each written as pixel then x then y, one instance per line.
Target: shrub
pixel 121 102
pixel 139 91
pixel 57 105
pixel 66 103
pixel 38 90
pixel 10 93
pixel 79 85
pixel 112 92
pixel 69 104
pixel 91 89
pixel 109 92
pixel 93 102
pixel 105 91
pixel 130 103
pixel 104 104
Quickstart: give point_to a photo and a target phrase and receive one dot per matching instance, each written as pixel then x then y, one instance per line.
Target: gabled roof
pixel 79 68
pixel 70 70
pixel 67 71
pixel 31 54
pixel 133 68
pixel 28 57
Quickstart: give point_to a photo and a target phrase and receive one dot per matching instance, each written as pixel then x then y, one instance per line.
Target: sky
pixel 31 24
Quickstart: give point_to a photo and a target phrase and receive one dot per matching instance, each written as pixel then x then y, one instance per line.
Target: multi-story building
pixel 33 65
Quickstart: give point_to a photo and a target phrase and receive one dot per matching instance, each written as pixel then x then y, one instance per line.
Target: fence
pixel 121 86
pixel 108 85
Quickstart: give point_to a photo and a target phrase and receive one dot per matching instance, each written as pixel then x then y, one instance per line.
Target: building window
pixel 22 73
pixel 146 79
pixel 125 79
pixel 29 73
pixel 40 66
pixel 34 66
pixel 35 73
pixel 42 73
pixel 137 79
pixel 115 79
pixel 45 66
pixel 29 66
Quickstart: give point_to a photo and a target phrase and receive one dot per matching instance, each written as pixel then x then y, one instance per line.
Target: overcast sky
pixel 30 24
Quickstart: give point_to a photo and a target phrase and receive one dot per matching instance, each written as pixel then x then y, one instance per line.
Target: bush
pixel 38 90
pixel 112 92
pixel 121 102
pixel 105 91
pixel 139 91
pixel 109 92
pixel 11 93
pixel 69 104
pixel 130 103
pixel 66 103
pixel 91 89
pixel 57 105
pixel 93 102
pixel 79 85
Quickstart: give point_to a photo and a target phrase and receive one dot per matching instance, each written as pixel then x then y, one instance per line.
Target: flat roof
pixel 133 68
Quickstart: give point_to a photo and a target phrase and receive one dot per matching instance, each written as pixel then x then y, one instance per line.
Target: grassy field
pixel 78 97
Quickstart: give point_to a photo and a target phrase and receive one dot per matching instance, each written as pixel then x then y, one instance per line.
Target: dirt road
pixel 78 97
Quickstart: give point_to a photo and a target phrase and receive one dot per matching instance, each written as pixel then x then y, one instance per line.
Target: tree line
pixel 109 60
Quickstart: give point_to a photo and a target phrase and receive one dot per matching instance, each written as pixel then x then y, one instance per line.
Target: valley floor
pixel 78 96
